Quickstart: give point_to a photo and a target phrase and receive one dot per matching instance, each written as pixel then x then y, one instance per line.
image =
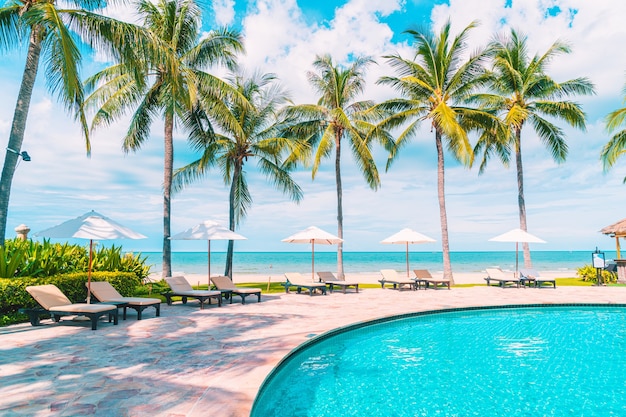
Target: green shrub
pixel 589 273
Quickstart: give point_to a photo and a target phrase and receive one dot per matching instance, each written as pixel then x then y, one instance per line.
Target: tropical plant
pixel 522 93
pixel 166 81
pixel 436 86
pixel 589 273
pixel 336 117
pixel 253 134
pixel 34 259
pixel 616 146
pixel 53 33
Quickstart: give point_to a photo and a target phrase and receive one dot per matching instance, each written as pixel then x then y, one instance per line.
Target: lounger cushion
pixel 84 308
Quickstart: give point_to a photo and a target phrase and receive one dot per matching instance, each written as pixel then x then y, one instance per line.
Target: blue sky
pixel 567 204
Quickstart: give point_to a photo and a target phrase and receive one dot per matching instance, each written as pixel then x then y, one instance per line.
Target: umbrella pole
pixel 619 256
pixel 89 271
pixel 209 256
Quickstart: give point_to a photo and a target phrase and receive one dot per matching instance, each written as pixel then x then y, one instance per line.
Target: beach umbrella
pixel 313 235
pixel 208 230
pixel 517 236
pixel 616 230
pixel 406 236
pixel 91 226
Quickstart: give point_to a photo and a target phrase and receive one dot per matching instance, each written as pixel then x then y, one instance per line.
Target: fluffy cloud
pixel 567 203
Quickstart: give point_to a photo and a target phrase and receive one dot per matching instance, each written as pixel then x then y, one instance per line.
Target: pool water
pixel 541 361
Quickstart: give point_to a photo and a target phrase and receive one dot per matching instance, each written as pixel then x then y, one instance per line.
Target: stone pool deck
pixel 211 362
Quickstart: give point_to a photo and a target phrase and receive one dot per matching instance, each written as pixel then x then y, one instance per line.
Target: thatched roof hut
pixel 616 230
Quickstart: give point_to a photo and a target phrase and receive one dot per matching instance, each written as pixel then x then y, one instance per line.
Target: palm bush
pixel 43 259
pixel 589 273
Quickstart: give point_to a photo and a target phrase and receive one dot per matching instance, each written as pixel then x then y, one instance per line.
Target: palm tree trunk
pixel 520 195
pixel 445 245
pixel 16 137
pixel 228 271
pixel 167 192
pixel 340 272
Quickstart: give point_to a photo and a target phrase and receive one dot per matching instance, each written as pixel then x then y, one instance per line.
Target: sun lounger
pixel 532 278
pixel 57 304
pixel 390 276
pixel 295 279
pixel 331 280
pixel 226 285
pixel 423 276
pixel 501 278
pixel 181 288
pixel 106 293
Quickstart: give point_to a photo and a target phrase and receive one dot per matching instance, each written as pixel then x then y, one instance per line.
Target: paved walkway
pixel 211 362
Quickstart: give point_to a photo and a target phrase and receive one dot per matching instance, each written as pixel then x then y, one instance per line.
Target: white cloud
pixel 567 203
pixel 224 11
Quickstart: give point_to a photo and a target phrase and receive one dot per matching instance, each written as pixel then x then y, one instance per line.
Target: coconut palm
pixel 615 147
pixel 253 136
pixel 524 94
pixel 166 82
pixel 337 116
pixel 51 32
pixel 435 85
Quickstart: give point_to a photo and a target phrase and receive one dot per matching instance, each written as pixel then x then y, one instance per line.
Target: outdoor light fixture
pixel 25 156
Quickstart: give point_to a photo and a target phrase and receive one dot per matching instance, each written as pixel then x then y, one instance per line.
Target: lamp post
pixel 597 260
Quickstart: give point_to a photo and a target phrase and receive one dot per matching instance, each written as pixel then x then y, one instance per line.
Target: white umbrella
pixel 313 235
pixel 407 236
pixel 208 230
pixel 517 236
pixel 92 226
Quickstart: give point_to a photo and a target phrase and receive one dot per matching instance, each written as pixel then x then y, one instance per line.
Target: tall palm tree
pixel 435 86
pixel 166 82
pixel 337 116
pixel 616 146
pixel 51 31
pixel 253 135
pixel 524 94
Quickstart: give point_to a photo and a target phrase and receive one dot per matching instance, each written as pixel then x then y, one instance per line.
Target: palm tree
pixel 253 135
pixel 435 86
pixel 166 82
pixel 615 147
pixel 523 93
pixel 51 33
pixel 337 116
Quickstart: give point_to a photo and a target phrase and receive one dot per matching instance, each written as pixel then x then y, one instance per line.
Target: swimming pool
pixel 518 361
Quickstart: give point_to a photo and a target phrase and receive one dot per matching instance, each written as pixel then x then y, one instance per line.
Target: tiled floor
pixel 211 362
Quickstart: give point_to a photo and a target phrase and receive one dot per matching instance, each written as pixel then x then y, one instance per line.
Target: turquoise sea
pixel 271 263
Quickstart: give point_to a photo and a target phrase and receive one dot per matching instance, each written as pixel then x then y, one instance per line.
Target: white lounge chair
pixel 531 277
pixel 502 278
pixel 51 298
pixel 225 284
pixel 106 293
pixel 390 276
pixel 423 276
pixel 295 279
pixel 331 280
pixel 180 287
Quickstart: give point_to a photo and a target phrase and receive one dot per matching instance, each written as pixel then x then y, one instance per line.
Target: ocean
pixel 276 263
